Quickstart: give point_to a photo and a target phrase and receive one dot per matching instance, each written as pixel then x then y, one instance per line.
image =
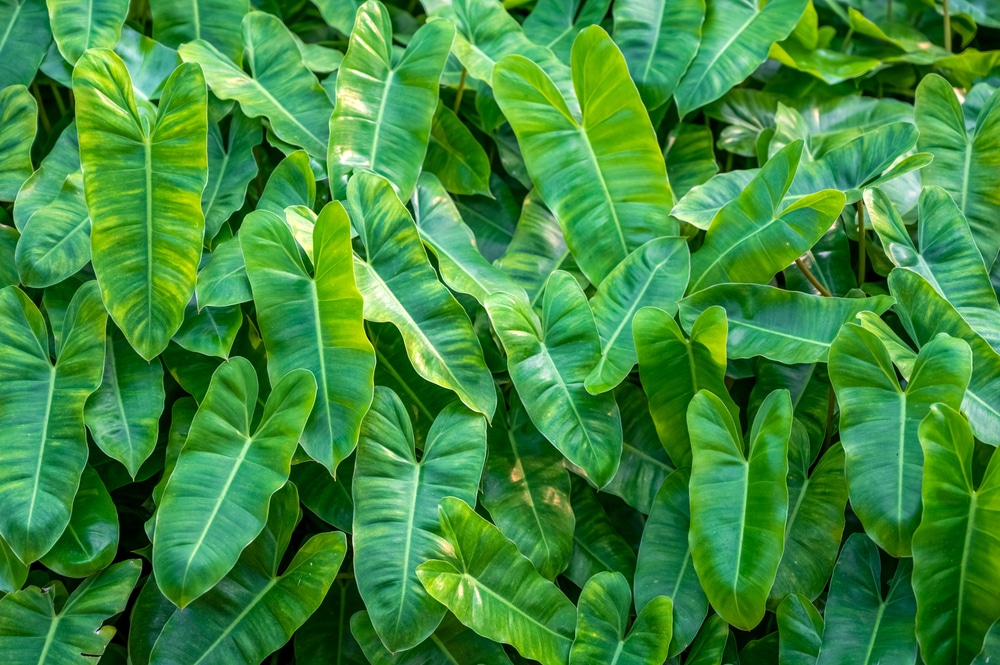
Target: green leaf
pixel 78 26
pixel 689 155
pixel 146 238
pixel 526 490
pixel 148 61
pixel 215 21
pixel 291 183
pixel 55 243
pixel 785 326
pixel 24 41
pixel 607 205
pixel 17 132
pixel 925 314
pixel 330 499
pixel 644 463
pixel 964 157
pixel 659 39
pixel 654 275
pixel 991 646
pixel 701 204
pixel 800 631
pixel 211 331
pixel 664 566
pixel 955 607
pixel 382 120
pixel 673 369
pixel 752 238
pixel 223 280
pixel 215 502
pixel 555 23
pixel 90 540
pixel 709 646
pixel 42 414
pixel 278 87
pixel 455 156
pixel 396 497
pixel 602 616
pixel 876 414
pixel 254 611
pixel 597 547
pixel 46 183
pixel 739 503
pixel 231 167
pixel 327 633
pixel 339 14
pixel 450 643
pixel 861 626
pixel 549 359
pixel 399 286
pixel 314 323
pixel 442 229
pixel 44 626
pixel 495 591
pixel 735 39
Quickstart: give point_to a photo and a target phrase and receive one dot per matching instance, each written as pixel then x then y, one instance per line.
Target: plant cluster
pixel 455 332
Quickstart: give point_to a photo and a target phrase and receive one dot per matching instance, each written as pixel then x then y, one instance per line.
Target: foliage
pixel 445 332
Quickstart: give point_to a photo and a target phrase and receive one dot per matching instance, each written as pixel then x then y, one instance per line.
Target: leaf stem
pixel 947 26
pixel 818 285
pixel 59 99
pixel 861 242
pixel 461 90
pixel 42 115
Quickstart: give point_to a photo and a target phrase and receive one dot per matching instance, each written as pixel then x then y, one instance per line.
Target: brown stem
pixel 461 90
pixel 818 285
pixel 861 242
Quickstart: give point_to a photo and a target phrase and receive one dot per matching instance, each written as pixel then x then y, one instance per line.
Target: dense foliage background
pixel 457 332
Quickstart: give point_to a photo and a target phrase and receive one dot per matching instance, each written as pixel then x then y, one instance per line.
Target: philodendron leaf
pixel 965 157
pixel 862 626
pixel 313 322
pixel 44 626
pixel 146 237
pixel 549 359
pixel 90 540
pixel 607 204
pixel 450 643
pixel 754 236
pixel 231 166
pixel 876 414
pixel 399 286
pixel 17 132
pixel 645 464
pixel 602 616
pixel 739 503
pixel 654 275
pixel 223 280
pixel 673 369
pixel 216 500
pixel 495 591
pixel 735 40
pixel 800 631
pixel 785 326
pixel 455 156
pixel 597 546
pixel 955 605
pixel 216 21
pixel 78 26
pixel 55 242
pixel 555 23
pixel 396 497
pixel 659 39
pixel 279 86
pixel 42 414
pixel 664 566
pixel 26 36
pixel 382 120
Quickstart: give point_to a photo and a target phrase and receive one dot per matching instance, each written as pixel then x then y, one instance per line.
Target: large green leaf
pixel 673 369
pixel 314 323
pixel 664 566
pixel 735 40
pixel 216 21
pixel 123 414
pixel 659 39
pixel 90 540
pixel 878 416
pixel 23 41
pixel 549 359
pixel 146 237
pixel 597 546
pixel 739 503
pixel 223 280
pixel 78 26
pixel 785 326
pixel 382 120
pixel 46 183
pixel 862 626
pixel 44 627
pixel 17 132
pixel 690 157
pixel 455 156
pixel 555 23
pixel 526 490
pixel 645 464
pixel 450 643
pixel 55 242
pixel 925 315
pixel 396 526
pixel 800 631
pixel 495 591
pixel 399 286
pixel 45 447
pixel 654 275
pixel 953 587
pixel 253 611
pixel 216 500
pixel 752 238
pixel 965 158
pixel 600 170
pixel 602 616
pixel 279 85
pixel 231 166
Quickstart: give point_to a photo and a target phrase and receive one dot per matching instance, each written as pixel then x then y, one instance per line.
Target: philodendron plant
pixel 588 332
